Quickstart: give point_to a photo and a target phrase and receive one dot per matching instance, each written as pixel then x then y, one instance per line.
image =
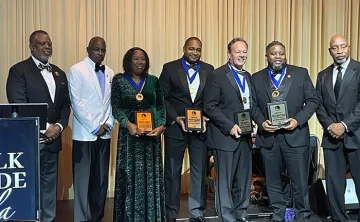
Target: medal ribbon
pixel 186 68
pixel 139 87
pixel 240 84
pixel 275 82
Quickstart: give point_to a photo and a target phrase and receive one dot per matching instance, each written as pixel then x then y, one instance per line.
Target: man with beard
pixel 183 82
pixel 339 114
pixel 287 145
pixel 90 90
pixel 227 92
pixel 35 80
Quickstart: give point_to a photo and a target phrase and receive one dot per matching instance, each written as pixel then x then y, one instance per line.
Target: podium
pixel 20 162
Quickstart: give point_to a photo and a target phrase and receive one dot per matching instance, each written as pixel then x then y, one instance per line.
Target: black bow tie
pixel 98 67
pixel 42 67
pixel 192 66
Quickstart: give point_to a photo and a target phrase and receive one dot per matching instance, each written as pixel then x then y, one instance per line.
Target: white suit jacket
pixel 90 108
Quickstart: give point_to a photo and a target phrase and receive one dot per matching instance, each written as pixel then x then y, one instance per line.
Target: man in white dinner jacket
pixel 90 90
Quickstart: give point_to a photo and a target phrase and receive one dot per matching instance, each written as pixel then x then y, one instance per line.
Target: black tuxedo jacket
pixel 25 84
pixel 173 79
pixel 301 99
pixel 346 108
pixel 222 101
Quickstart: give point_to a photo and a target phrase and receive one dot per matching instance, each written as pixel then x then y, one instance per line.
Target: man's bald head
pixel 339 49
pixel 96 49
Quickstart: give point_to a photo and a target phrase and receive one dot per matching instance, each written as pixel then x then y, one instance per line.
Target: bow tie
pixel 98 67
pixel 42 67
pixel 240 72
pixel 192 66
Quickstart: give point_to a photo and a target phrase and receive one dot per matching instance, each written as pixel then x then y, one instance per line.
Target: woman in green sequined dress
pixel 139 188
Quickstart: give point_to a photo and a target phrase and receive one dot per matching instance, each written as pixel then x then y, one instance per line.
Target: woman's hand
pixel 157 131
pixel 133 129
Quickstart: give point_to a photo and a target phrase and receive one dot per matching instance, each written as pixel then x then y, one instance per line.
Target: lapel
pixel 287 78
pixel 183 78
pixel 93 77
pixel 248 83
pixel 328 82
pixel 348 75
pixel 202 76
pixel 232 80
pixel 40 79
pixel 56 76
pixel 266 81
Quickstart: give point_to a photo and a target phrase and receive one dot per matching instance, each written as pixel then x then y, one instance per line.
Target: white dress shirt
pixel 50 82
pixel 245 94
pixel 335 71
pixel 195 84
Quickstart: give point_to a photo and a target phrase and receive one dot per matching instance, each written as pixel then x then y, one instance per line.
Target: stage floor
pixel 65 211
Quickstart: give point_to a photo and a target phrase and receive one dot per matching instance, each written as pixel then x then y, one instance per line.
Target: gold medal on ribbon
pixel 191 90
pixel 275 94
pixel 139 97
pixel 244 100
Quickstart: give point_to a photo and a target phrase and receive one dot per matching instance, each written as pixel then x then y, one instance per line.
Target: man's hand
pixel 266 125
pixel 133 129
pixel 205 119
pixel 157 131
pixel 336 130
pixel 180 120
pixel 292 124
pixel 52 132
pixel 106 127
pixel 101 131
pixel 235 131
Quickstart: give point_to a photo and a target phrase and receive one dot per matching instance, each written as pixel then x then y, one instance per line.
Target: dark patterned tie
pixel 42 67
pixel 338 82
pixel 192 66
pixel 99 67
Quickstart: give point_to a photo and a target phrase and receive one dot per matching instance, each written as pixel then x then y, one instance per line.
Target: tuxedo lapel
pixel 56 76
pixel 231 78
pixel 248 83
pixel 349 74
pixel 94 79
pixel 266 81
pixel 37 74
pixel 202 77
pixel 183 78
pixel 329 83
pixel 288 78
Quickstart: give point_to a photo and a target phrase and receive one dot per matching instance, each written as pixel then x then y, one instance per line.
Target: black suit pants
pixel 90 172
pixel 296 162
pixel 335 175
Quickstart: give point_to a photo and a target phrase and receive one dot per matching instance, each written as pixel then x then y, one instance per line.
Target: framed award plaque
pixel 144 120
pixel 243 119
pixel 194 120
pixel 278 113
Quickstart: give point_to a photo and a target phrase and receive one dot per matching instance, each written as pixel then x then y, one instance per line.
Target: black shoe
pixel 170 219
pixel 244 219
pixel 197 219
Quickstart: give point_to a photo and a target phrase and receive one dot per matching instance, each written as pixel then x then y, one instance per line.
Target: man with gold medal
pixel 284 146
pixel 183 82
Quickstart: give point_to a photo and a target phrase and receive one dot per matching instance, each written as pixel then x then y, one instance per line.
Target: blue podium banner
pixel 19 169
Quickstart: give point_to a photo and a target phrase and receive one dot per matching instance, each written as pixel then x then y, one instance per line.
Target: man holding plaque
pixel 284 99
pixel 338 113
pixel 227 103
pixel 183 82
pixel 90 86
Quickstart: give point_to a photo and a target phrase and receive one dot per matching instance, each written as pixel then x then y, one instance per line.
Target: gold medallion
pixel 244 100
pixel 139 97
pixel 275 94
pixel 191 90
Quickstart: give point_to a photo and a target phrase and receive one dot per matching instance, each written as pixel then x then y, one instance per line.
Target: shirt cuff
pixel 110 127
pixel 95 131
pixel 346 129
pixel 61 127
pixel 47 127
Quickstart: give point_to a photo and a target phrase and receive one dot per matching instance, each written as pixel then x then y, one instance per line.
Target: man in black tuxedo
pixel 227 92
pixel 288 145
pixel 339 115
pixel 35 80
pixel 183 82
